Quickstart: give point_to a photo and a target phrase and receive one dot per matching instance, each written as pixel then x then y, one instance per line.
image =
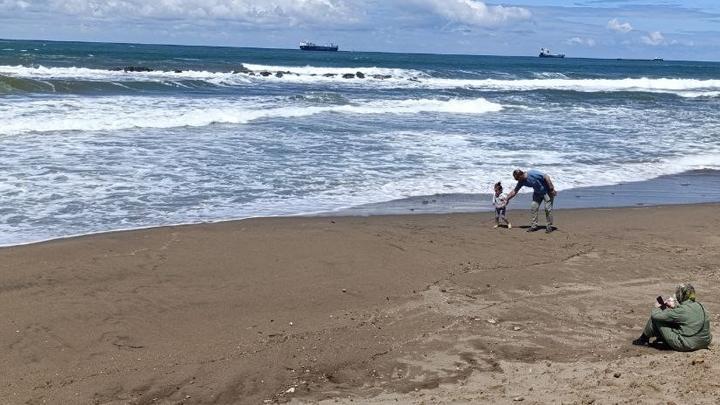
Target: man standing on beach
pixel 543 191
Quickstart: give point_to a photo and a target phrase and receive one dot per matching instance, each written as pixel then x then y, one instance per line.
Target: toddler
pixel 500 203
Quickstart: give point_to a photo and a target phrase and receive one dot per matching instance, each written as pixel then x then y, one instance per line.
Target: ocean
pixel 213 133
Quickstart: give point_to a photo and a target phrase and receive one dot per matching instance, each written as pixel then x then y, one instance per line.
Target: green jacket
pixel 685 327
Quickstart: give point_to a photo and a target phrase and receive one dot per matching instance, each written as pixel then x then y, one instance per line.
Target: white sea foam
pixel 378 77
pixel 80 183
pixel 80 73
pixel 543 81
pixel 319 70
pixel 461 175
pixel 698 94
pixel 660 85
pixel 116 113
pixel 550 75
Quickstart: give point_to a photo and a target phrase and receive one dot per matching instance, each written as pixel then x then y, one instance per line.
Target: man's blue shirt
pixel 536 180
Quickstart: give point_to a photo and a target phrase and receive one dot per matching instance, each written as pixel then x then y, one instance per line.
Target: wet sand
pixel 380 309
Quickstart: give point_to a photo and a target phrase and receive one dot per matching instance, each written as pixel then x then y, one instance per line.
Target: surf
pixel 118 113
pixel 78 79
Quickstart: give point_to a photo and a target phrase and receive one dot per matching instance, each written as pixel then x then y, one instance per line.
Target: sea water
pixel 216 133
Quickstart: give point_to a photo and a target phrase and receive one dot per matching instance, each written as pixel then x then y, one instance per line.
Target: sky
pixel 671 29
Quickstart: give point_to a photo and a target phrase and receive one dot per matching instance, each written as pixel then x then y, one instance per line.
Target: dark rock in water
pixel 252 73
pixel 265 73
pixel 279 74
pixel 177 71
pixel 329 75
pixel 242 69
pixel 137 69
pixel 360 75
pixel 414 79
pixel 348 76
pixel 381 77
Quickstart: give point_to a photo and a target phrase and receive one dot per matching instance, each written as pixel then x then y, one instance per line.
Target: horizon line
pixel 349 51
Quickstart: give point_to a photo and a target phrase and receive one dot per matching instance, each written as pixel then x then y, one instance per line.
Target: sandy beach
pixel 381 309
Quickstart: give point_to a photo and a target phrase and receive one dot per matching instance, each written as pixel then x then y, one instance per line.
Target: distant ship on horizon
pixel 545 53
pixel 309 46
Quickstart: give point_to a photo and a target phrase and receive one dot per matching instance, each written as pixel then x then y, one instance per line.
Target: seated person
pixel 681 324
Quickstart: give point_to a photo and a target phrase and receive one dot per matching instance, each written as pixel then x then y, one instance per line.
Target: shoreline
pixel 373 309
pixel 524 213
pixel 687 185
pixel 690 187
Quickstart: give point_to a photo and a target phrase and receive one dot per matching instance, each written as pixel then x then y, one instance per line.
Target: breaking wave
pixel 116 113
pixel 338 71
pixel 71 79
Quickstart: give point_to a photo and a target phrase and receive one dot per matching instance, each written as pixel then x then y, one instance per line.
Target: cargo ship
pixel 309 46
pixel 545 53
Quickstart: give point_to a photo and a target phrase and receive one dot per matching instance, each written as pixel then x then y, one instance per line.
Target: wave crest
pixel 251 74
pixel 117 113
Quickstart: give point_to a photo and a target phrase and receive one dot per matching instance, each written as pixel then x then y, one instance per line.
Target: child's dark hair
pixel 499 185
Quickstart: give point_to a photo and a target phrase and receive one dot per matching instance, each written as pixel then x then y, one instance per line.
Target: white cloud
pixel 274 13
pixel 653 38
pixel 617 26
pixel 474 13
pixel 291 12
pixel 13 4
pixel 581 41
